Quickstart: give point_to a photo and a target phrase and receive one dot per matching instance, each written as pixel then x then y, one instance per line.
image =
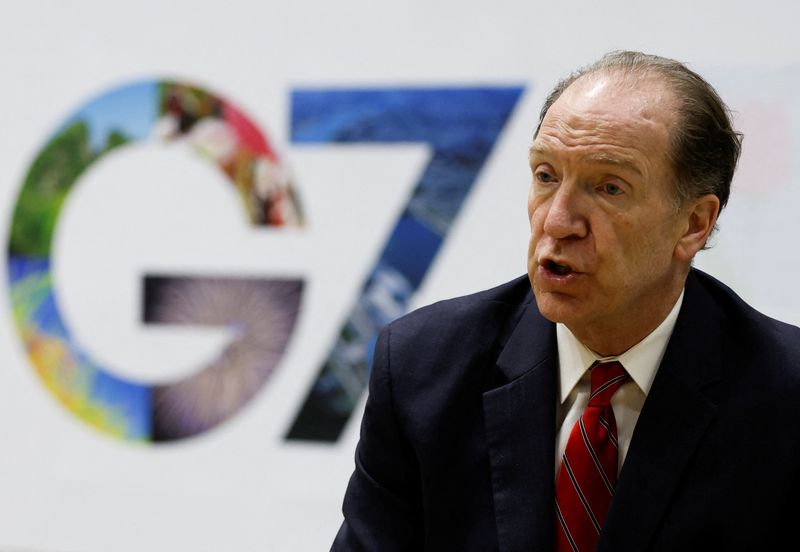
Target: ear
pixel 700 215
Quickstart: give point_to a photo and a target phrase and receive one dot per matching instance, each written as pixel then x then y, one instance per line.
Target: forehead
pixel 611 119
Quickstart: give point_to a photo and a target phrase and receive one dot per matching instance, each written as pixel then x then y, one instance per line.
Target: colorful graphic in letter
pixel 460 126
pixel 262 312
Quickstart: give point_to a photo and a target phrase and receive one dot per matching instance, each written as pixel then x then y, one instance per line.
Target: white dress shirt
pixel 640 361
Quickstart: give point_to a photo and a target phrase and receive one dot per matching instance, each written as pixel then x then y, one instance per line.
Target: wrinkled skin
pixel 610 247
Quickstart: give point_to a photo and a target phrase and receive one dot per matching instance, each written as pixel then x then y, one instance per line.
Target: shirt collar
pixel 640 361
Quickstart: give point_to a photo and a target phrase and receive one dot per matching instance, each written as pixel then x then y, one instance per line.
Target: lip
pixel 546 275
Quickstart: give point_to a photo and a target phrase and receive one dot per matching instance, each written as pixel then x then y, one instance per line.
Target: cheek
pixel 531 207
pixel 536 220
pixel 641 250
pixel 537 211
pixel 616 244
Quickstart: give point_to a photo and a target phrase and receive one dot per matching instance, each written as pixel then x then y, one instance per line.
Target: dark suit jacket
pixel 458 437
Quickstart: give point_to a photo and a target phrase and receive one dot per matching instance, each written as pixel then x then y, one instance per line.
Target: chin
pixel 557 307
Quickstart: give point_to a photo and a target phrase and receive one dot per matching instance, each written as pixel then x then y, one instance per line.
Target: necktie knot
pixel 607 377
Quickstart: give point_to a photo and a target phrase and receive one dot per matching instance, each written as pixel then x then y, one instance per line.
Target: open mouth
pixel 559 269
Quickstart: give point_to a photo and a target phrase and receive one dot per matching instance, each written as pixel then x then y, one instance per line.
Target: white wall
pixel 65 487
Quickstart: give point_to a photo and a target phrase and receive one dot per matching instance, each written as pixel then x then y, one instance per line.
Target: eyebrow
pixel 599 158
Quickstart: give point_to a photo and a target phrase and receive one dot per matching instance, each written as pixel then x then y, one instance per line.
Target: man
pixel 630 402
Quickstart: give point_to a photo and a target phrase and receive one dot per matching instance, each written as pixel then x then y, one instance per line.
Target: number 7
pixel 460 125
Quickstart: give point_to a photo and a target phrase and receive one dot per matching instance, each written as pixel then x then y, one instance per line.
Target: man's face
pixel 604 223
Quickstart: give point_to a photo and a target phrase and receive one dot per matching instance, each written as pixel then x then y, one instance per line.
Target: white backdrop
pixel 65 487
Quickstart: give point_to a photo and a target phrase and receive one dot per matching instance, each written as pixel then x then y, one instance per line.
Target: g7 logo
pixel 459 125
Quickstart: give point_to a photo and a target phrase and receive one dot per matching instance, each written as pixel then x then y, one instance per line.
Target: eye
pixel 612 189
pixel 544 176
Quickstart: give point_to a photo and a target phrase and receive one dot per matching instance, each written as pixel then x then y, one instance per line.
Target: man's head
pixel 630 169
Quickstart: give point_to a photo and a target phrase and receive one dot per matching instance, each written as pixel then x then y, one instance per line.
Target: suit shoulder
pixel 438 360
pixel 491 307
pixel 751 328
pixel 453 337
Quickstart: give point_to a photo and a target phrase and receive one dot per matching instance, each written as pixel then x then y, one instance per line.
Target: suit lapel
pixel 520 427
pixel 672 423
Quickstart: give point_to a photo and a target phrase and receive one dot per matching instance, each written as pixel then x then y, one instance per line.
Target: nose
pixel 565 216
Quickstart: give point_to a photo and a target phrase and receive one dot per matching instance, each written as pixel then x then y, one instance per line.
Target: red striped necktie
pixel 588 472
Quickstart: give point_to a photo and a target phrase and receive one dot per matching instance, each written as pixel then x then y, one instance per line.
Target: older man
pixel 631 402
